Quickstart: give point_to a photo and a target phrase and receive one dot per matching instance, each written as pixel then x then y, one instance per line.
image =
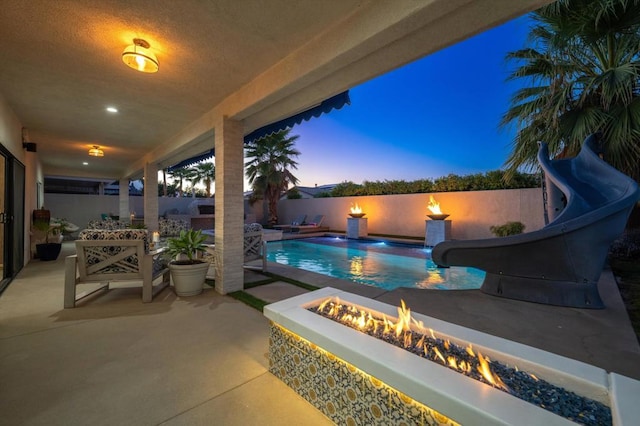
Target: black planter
pixel 48 251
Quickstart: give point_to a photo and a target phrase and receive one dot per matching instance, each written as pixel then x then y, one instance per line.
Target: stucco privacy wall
pixel 80 209
pixel 471 212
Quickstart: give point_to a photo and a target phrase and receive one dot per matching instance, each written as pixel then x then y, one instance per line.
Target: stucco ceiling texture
pixel 253 60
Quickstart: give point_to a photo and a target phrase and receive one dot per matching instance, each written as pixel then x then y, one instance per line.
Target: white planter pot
pixel 188 279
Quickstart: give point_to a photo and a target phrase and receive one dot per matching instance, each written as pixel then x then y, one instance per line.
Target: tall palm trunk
pixel 164 182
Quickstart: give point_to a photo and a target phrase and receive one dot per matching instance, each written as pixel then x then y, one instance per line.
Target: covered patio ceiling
pixel 257 61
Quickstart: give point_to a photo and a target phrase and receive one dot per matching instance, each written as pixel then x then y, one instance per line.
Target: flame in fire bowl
pixel 437 386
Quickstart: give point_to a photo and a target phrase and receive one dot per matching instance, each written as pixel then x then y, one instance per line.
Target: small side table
pixel 357 227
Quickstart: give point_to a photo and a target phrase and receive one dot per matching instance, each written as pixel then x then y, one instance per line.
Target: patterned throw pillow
pixel 118 234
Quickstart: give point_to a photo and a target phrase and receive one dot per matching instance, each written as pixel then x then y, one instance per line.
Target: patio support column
pixel 123 196
pixel 229 205
pixel 151 196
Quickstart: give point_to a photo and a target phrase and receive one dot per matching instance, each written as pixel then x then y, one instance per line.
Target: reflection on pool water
pixel 380 264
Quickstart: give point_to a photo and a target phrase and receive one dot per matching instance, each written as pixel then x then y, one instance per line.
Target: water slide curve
pixel 588 205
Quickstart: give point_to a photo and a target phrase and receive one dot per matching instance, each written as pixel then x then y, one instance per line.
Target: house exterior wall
pixel 471 212
pixel 11 139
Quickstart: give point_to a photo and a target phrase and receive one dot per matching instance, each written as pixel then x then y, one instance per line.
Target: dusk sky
pixel 432 117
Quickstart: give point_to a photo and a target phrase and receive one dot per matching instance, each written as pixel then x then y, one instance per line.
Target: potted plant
pixel 187 270
pixel 50 249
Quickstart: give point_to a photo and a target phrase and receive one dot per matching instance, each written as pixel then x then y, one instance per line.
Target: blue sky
pixel 432 117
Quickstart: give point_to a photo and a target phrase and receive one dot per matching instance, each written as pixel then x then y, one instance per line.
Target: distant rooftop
pixel 312 191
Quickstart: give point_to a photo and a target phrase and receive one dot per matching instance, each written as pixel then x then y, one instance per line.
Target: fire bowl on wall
pixel 357 215
pixel 438 216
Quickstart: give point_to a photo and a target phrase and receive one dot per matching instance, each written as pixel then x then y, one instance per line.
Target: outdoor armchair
pixel 104 256
pixel 254 249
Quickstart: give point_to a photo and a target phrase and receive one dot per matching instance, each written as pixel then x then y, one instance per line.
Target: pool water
pixel 380 264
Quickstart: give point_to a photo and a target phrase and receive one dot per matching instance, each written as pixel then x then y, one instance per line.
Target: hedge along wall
pixel 471 212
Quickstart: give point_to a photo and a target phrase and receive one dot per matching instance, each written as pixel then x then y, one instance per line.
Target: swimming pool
pixel 380 264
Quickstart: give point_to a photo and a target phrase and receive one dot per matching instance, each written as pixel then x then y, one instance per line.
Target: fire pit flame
pixel 485 369
pixel 356 211
pixel 403 333
pixel 434 208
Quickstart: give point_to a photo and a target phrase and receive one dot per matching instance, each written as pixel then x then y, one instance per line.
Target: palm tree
pixel 582 74
pixel 205 173
pixel 270 160
pixel 191 175
pixel 179 174
pixel 164 182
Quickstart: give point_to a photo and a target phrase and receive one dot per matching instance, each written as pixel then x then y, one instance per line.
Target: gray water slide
pixel 588 205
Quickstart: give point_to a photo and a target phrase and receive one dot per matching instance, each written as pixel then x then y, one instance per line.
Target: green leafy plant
pixel 293 194
pixel 187 244
pixel 475 182
pixel 48 229
pixel 61 224
pixel 509 228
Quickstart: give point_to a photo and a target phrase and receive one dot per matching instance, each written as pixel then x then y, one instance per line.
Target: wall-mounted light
pixel 30 146
pixel 139 57
pixel 96 151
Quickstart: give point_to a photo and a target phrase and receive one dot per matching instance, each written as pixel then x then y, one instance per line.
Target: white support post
pixel 229 207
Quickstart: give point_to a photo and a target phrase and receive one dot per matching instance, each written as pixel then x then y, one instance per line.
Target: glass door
pixel 12 186
pixel 16 241
pixel 3 219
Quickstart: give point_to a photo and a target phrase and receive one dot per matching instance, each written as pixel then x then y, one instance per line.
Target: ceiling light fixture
pixel 112 109
pixel 139 57
pixel 96 151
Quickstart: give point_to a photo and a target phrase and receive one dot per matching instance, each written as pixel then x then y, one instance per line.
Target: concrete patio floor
pixel 117 361
pixel 203 359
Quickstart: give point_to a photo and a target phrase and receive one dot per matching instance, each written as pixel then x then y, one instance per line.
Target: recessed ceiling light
pixel 84 163
pixel 112 109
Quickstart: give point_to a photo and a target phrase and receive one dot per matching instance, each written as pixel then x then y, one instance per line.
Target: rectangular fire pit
pixel 354 378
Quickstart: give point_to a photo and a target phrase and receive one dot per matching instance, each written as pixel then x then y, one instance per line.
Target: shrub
pixel 293 194
pixel 627 246
pixel 509 228
pixel 474 182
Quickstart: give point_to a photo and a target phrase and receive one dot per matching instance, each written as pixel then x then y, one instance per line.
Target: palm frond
pixel 582 74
